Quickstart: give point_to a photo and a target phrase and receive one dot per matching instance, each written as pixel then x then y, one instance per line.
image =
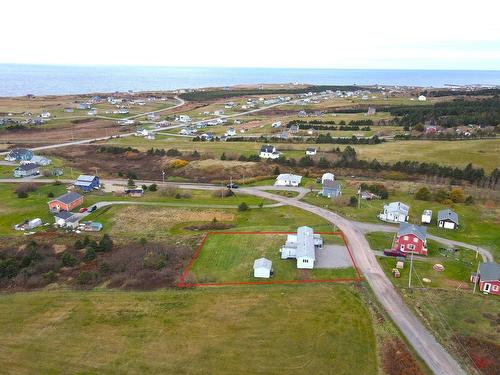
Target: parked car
pixel 82 210
pixel 93 208
pixel 232 185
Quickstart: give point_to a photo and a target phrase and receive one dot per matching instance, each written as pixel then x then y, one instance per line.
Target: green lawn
pixel 229 258
pixel 14 210
pixel 266 329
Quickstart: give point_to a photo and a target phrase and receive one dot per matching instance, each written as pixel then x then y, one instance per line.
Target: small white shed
pixel 327 176
pixel 262 268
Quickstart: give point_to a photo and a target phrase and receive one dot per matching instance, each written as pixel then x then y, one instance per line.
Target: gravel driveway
pixel 333 256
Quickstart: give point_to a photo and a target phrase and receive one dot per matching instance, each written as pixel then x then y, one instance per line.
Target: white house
pixel 184 118
pixel 311 151
pixel 153 116
pixel 218 112
pixel 186 131
pixel 426 217
pixel 276 124
pixel 230 132
pixel 287 179
pixel 422 98
pixel 395 212
pixel 45 114
pixel 302 246
pixel 262 268
pixel 327 176
pixel 37 159
pixel 269 152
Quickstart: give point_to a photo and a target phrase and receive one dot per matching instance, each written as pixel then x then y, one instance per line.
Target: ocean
pixel 18 80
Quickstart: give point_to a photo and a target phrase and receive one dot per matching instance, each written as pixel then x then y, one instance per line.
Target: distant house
pixel 371 111
pixel 302 114
pixel 426 217
pixel 27 170
pixel 287 179
pixel 90 226
pixel 430 129
pixel 218 112
pixel 302 246
pixel 92 112
pixel 447 219
pixel 84 106
pixel 57 172
pixel 153 116
pixel 488 278
pixel 311 151
pixel 66 202
pixel 276 124
pixel 184 118
pixel 331 189
pixel 19 154
pixel 186 131
pixel 327 176
pixel 37 159
pixel 230 132
pixel 262 268
pixel 45 114
pixel 422 98
pixel 395 212
pixel 368 196
pixel 68 110
pixel 269 152
pixel 294 128
pixel 411 238
pixel 136 192
pixel 87 183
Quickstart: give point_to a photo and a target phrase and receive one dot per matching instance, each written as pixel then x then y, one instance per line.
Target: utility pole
pixel 163 175
pixel 359 197
pixel 476 278
pixel 96 171
pixel 411 268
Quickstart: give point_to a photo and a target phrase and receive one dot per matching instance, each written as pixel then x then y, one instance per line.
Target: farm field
pixel 481 153
pixel 189 331
pixel 229 258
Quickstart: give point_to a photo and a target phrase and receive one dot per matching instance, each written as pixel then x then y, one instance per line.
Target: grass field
pixel 267 329
pixel 229 258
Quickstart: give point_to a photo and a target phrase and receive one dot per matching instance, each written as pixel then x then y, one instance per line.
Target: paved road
pixel 436 357
pixel 373 227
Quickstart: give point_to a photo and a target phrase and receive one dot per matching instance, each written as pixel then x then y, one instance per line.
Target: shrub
pixel 106 243
pixel 153 187
pixel 423 194
pixel 84 277
pixel 144 187
pixel 353 201
pixel 50 195
pixel 441 195
pixel 130 183
pixel 469 200
pixel 89 254
pixel 223 156
pixel 26 187
pixel 22 194
pixel 104 268
pixel 50 276
pixel 174 152
pixel 78 245
pixel 68 260
pixel 178 163
pixel 243 207
pixel 276 171
pixel 457 195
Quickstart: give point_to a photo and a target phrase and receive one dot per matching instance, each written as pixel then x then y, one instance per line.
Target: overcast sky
pixel 391 34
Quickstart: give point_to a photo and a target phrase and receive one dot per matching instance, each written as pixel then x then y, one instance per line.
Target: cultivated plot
pixel 226 258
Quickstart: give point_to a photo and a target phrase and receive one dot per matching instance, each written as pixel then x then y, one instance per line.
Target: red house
pixel 411 238
pixel 66 202
pixel 489 278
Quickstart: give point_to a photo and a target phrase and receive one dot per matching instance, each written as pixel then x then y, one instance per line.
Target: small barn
pixel 447 219
pixel 411 238
pixel 488 277
pixel 262 268
pixel 426 217
pixel 87 183
pixel 327 176
pixel 311 151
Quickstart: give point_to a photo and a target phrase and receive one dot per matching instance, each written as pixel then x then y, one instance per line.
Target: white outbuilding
pixel 262 268
pixel 426 217
pixel 288 179
pixel 422 98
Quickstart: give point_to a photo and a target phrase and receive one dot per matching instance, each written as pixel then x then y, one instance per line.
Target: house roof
pixel 19 151
pixel 305 243
pixel 68 197
pixel 312 149
pixel 262 263
pixel 27 167
pixel 63 215
pixel 289 177
pixel 417 231
pixel 267 148
pixel 84 180
pixel 328 176
pixel 330 184
pixel 448 215
pixel 397 206
pixel 489 271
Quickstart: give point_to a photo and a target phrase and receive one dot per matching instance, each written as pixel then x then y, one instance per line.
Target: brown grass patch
pixel 397 360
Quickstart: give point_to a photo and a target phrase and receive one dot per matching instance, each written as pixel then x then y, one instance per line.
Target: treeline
pixel 327 138
pixel 450 114
pixel 116 149
pixel 480 92
pixel 445 136
pixel 225 94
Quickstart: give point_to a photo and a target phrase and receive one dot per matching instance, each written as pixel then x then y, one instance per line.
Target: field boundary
pixel 182 282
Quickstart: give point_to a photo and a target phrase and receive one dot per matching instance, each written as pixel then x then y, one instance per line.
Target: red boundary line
pixel 182 284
